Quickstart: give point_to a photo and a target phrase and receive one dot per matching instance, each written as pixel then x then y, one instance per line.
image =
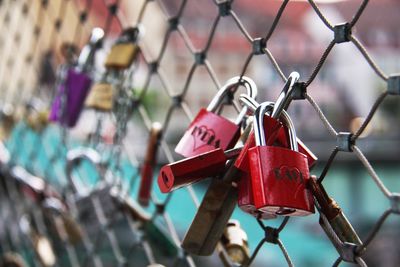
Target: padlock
pixel 8 120
pixel 278 175
pixel 191 170
pixel 334 215
pixel 215 210
pixel 37 120
pixel 125 51
pixel 234 240
pixel 90 203
pixel 72 93
pixel 209 130
pixel 100 97
pixel 153 232
pixel 146 179
pixel 41 244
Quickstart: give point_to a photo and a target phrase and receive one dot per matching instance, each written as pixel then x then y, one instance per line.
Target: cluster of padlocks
pixel 256 162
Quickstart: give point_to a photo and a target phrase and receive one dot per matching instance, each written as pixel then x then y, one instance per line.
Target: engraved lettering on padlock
pixel 289 173
pixel 202 136
pixel 208 129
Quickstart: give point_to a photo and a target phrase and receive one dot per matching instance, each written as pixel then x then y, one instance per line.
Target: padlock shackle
pixel 131 34
pixel 253 105
pixel 285 97
pixel 74 156
pixel 86 57
pixel 230 87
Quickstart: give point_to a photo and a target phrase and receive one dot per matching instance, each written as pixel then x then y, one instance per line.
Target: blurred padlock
pixel 41 244
pixel 37 190
pixel 37 120
pixel 334 215
pixel 146 178
pixel 234 240
pixel 93 205
pixel 209 130
pixel 125 51
pixel 72 93
pixel 7 121
pixel 100 97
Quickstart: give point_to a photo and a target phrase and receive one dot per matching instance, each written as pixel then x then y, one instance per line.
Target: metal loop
pixel 230 87
pixel 253 105
pixel 74 156
pixel 285 96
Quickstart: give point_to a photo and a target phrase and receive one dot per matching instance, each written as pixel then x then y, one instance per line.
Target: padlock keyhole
pixel 165 178
pixel 285 211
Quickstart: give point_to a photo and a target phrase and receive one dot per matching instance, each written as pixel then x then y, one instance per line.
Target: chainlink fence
pixel 162 86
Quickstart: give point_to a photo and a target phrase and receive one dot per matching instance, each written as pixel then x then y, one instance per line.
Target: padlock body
pixel 74 91
pixel 100 97
pixel 121 56
pixel 246 199
pixel 188 171
pixel 279 177
pixel 275 130
pixel 207 132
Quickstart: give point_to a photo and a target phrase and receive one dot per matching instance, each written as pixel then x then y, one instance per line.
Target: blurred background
pixel 345 89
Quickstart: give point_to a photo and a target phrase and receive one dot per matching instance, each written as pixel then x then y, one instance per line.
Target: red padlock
pixel 278 175
pixel 190 170
pixel 209 130
pixel 245 189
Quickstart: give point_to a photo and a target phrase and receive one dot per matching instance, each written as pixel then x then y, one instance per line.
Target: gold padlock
pixel 234 241
pixel 8 120
pixel 124 52
pixel 37 120
pixel 121 56
pixel 100 97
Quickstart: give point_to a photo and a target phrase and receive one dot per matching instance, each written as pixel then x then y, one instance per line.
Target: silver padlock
pixel 94 207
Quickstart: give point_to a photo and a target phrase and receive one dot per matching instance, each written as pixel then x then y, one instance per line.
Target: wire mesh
pixel 24 28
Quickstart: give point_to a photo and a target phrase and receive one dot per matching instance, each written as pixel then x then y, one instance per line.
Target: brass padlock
pixel 100 97
pixel 234 240
pixel 37 120
pixel 7 120
pixel 124 52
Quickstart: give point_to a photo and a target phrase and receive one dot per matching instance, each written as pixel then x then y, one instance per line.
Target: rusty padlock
pixel 125 51
pixel 278 175
pixel 72 93
pixel 209 130
pixel 146 180
pixel 234 240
